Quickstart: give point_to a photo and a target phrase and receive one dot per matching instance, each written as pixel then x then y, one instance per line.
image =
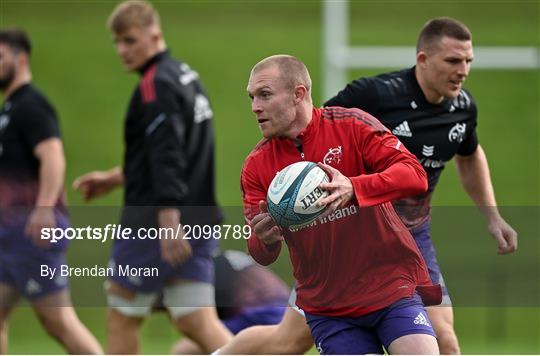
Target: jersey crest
pixel 333 156
pixel 457 133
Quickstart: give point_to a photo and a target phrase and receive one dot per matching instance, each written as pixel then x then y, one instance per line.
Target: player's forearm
pixel 473 172
pixel 116 176
pixel 51 173
pixel 400 180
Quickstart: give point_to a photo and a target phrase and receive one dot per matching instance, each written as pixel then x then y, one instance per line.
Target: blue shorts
pixel 425 245
pixel 369 333
pixel 147 254
pixel 21 261
pixel 267 315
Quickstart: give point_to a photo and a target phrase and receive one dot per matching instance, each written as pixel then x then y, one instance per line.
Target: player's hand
pixel 175 251
pixel 97 183
pixel 41 217
pixel 504 234
pixel 339 188
pixel 265 227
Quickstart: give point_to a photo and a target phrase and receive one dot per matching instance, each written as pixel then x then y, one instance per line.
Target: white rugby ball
pixel 294 193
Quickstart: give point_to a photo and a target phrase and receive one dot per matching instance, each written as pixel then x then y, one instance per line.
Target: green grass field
pixel 74 62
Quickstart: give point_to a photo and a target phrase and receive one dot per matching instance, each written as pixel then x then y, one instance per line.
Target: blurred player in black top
pixel 32 167
pixel 168 176
pixel 435 118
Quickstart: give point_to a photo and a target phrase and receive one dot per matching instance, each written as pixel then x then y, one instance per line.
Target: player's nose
pixel 256 107
pixel 463 69
pixel 121 49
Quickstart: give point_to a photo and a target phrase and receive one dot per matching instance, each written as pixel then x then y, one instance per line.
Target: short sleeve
pixel 38 122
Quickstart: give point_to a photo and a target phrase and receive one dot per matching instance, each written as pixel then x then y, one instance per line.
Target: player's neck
pixel 20 79
pixel 303 118
pixel 431 95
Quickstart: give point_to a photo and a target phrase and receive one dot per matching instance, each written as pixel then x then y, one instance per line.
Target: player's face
pixel 135 46
pixel 272 102
pixel 447 67
pixel 7 66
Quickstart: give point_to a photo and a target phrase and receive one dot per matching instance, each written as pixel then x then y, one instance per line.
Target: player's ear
pixel 300 93
pixel 421 58
pixel 156 37
pixel 155 33
pixel 23 59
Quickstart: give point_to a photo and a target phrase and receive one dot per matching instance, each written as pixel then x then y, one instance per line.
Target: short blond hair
pixel 292 70
pixel 133 13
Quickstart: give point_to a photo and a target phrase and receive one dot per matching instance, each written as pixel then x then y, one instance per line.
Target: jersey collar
pixel 311 130
pixel 18 91
pixel 158 57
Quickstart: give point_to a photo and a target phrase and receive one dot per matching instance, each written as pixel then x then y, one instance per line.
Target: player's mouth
pixel 262 121
pixel 456 84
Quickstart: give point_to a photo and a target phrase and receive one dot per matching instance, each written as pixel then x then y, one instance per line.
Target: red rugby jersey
pixel 357 260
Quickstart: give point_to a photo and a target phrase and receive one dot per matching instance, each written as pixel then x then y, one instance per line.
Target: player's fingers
pixel 331 171
pixel 183 256
pixel 511 243
pixel 275 232
pixel 82 181
pixel 501 242
pixel 328 186
pixel 169 255
pixel 335 205
pixel 263 206
pixel 258 218
pixel 87 192
pixel 330 209
pixel 76 183
pixel 328 200
pixel 177 256
pixel 264 226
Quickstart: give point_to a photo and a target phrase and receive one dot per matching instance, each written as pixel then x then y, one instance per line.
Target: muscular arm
pixel 473 171
pixel 50 154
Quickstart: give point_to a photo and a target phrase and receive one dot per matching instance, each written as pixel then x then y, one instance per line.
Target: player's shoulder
pixel 394 83
pixel 343 118
pixel 29 93
pixel 257 154
pixel 160 77
pixel 173 71
pixel 32 100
